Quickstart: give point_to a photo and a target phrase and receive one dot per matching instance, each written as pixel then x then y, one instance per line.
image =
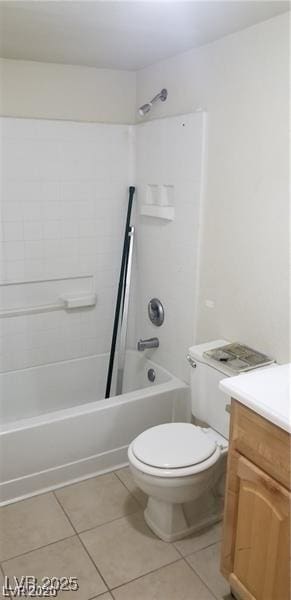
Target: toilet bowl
pixel 178 465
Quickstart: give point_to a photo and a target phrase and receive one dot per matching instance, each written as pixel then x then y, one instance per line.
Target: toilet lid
pixel 173 445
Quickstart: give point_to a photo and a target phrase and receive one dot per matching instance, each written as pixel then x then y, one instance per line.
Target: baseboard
pixel 50 479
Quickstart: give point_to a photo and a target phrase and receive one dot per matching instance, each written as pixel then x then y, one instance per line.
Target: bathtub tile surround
pixel 64 194
pixel 133 565
pixel 96 501
pixel 63 204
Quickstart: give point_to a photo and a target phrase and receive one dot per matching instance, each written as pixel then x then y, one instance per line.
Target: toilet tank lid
pixel 197 354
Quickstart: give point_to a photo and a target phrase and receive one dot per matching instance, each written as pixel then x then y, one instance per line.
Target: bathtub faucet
pixel 146 344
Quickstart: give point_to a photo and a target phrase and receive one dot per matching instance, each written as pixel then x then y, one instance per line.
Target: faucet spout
pixel 146 344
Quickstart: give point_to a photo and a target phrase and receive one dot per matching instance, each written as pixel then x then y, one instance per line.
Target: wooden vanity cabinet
pixel 255 554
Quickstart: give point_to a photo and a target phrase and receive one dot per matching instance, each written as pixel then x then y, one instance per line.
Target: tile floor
pixel 95 531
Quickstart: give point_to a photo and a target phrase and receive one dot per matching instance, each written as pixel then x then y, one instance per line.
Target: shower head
pixel 145 108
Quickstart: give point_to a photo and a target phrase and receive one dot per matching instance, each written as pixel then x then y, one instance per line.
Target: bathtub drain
pixel 151 375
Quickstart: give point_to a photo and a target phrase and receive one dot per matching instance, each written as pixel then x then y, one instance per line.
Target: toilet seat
pixel 173 450
pixel 173 446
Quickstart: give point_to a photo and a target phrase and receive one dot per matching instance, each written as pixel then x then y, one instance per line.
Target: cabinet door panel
pixel 261 545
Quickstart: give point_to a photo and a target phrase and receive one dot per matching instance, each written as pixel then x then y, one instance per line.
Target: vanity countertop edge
pixel 266 391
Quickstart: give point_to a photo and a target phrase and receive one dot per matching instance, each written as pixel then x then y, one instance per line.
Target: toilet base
pixel 171 522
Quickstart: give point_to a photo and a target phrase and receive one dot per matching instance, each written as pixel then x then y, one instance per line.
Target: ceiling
pixel 121 35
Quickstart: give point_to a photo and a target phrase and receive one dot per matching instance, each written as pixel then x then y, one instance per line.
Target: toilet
pixel 181 466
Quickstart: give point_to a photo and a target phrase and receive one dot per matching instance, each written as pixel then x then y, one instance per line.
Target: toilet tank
pixel 208 401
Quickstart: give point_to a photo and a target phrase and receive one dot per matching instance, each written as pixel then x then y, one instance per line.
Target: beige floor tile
pixel 63 559
pixel 126 548
pixel 30 524
pixel 174 582
pixel 206 564
pixel 106 596
pixel 200 540
pixel 96 501
pixel 126 477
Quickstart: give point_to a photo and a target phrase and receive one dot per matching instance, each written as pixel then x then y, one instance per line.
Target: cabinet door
pixel 261 557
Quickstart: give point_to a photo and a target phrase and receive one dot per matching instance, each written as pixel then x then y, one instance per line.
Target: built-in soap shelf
pixel 159 202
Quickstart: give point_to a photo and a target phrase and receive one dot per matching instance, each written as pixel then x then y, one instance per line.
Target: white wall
pixel 53 91
pixel 242 82
pixel 169 152
pixel 63 204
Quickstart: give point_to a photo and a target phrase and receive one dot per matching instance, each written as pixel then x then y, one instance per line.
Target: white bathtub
pixel 56 427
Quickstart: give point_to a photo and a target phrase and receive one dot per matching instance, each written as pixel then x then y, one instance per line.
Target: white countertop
pixel 265 391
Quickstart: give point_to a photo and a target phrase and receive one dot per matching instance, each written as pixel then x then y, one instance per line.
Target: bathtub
pixel 56 427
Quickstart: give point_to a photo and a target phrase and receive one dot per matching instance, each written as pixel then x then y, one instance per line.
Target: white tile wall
pixel 169 151
pixel 63 206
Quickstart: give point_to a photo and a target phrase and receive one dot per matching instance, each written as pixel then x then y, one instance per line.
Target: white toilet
pixel 181 466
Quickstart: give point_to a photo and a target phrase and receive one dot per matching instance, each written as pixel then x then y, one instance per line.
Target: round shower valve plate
pixel 156 312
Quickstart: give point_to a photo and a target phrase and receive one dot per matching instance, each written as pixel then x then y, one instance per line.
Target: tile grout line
pixel 81 542
pixel 196 573
pixel 195 551
pixel 35 549
pixel 99 595
pixel 117 587
pixel 127 489
pixel 87 551
pixel 178 550
pixel 106 522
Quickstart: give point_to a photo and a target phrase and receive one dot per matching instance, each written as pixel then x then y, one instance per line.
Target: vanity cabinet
pixel 256 537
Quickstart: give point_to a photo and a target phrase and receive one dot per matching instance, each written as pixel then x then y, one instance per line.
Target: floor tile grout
pixel 117 587
pixel 92 560
pixel 179 552
pixel 111 521
pixel 195 551
pixel 78 534
pixel 127 489
pixel 81 542
pixel 67 537
pixel 198 575
pixel 143 575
